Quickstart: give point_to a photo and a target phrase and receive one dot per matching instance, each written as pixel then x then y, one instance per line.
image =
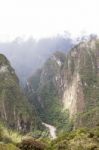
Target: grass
pixel 7 135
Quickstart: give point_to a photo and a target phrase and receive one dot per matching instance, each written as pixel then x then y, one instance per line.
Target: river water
pixel 51 129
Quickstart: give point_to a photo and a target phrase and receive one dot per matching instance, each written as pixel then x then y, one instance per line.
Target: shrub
pixel 31 144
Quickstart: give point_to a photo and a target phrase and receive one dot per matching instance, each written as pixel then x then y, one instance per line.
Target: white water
pixel 52 130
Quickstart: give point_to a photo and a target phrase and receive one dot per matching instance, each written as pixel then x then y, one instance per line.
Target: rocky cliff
pixel 15 111
pixel 67 87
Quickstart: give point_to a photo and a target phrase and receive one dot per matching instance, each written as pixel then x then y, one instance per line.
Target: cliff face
pixel 15 110
pixel 69 83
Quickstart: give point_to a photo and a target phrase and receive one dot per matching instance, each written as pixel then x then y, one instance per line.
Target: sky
pixel 46 18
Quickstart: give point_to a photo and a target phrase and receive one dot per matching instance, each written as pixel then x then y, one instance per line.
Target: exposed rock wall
pixel 74 80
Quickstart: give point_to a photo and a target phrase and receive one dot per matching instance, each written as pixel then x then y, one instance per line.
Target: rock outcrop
pixel 69 84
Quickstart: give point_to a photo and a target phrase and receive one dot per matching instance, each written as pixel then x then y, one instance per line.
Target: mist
pixel 26 56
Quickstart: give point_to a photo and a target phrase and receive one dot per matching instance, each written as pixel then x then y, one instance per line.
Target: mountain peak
pixel 69 82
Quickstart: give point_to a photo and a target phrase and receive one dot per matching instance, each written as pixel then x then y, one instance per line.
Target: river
pixel 52 130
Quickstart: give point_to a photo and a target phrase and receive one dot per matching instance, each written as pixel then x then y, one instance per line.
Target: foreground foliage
pixel 80 139
pixel 31 144
pixel 8 147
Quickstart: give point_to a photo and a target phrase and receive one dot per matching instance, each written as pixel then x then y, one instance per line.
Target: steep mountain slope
pixel 15 111
pixel 67 87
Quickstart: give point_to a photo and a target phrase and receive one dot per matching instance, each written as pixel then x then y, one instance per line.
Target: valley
pixel 58 108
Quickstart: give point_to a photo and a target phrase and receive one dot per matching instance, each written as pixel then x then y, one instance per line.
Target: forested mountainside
pixel 65 91
pixel 15 111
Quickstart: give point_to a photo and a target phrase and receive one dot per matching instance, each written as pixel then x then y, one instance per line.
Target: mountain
pixel 65 91
pixel 26 56
pixel 15 110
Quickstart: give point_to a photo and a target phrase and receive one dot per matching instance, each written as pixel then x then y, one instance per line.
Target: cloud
pixel 27 56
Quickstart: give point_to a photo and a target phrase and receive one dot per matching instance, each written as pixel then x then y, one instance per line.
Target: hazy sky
pixel 43 18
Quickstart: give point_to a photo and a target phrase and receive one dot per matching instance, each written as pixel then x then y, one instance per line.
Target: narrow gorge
pixel 58 109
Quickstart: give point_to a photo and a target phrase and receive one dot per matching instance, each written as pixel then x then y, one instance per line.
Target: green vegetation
pixel 35 80
pixel 8 147
pixel 57 75
pixel 15 110
pixel 90 118
pixel 44 94
pixel 90 81
pixel 45 91
pixel 9 136
pixel 81 139
pixel 31 144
